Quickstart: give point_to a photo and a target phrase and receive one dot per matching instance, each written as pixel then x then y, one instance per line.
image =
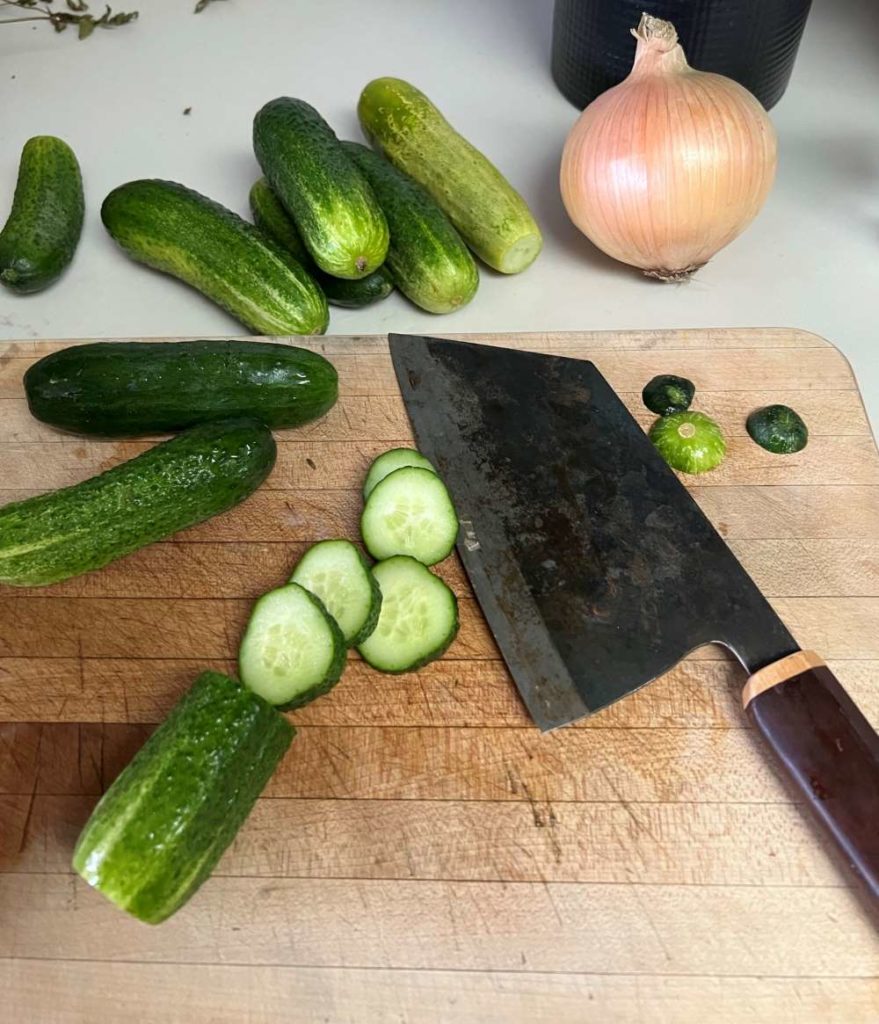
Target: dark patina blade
pixel 594 567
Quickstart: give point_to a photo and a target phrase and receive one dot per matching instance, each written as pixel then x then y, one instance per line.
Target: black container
pixel 753 41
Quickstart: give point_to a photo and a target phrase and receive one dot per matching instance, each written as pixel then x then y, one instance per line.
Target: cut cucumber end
pixel 292 650
pixel 521 254
pixel 410 513
pixel 389 462
pixel 336 572
pixel 418 619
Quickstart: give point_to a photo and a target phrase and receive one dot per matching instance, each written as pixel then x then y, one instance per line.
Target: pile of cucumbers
pixel 334 221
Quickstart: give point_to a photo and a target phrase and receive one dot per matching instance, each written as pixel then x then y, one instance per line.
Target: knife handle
pixel 829 751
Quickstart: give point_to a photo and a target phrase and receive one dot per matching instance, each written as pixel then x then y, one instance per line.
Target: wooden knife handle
pixel 828 749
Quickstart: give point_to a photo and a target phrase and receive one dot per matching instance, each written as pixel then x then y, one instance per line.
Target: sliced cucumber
pixel 410 513
pixel 336 573
pixel 418 618
pixel 292 650
pixel 396 458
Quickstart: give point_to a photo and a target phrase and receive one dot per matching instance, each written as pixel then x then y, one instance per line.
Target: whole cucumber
pixel 335 212
pixel 429 261
pixel 127 388
pixel 402 123
pixel 173 229
pixel 271 218
pixel 161 827
pixel 43 229
pixel 178 483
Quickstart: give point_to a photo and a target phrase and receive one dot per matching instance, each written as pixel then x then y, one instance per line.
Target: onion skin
pixel 666 168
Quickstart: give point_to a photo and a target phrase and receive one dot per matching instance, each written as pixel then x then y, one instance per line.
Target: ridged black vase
pixel 752 41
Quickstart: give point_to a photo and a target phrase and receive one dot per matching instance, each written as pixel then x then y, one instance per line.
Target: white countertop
pixel 811 259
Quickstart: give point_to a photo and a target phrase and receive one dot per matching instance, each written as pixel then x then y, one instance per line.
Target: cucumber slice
pixel 396 458
pixel 336 573
pixel 292 650
pixel 410 513
pixel 418 618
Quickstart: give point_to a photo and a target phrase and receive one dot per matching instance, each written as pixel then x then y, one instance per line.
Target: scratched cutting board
pixel 423 853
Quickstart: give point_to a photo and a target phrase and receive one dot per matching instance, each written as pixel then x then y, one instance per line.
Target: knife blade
pixel 597 571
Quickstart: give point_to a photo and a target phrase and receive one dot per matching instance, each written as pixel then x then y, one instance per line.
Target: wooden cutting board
pixel 423 853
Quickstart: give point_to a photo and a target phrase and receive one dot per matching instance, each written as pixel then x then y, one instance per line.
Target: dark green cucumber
pixel 494 220
pixel 271 218
pixel 43 229
pixel 183 233
pixel 159 830
pixel 336 213
pixel 123 389
pixel 178 483
pixel 428 259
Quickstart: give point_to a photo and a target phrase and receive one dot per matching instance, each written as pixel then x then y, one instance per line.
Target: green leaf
pixel 86 25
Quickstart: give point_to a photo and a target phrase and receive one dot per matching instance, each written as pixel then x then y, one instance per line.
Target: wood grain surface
pixel 423 854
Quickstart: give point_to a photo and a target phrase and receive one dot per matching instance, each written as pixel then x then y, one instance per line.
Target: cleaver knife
pixel 597 571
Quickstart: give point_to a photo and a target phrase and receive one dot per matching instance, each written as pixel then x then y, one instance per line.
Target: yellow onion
pixel 669 166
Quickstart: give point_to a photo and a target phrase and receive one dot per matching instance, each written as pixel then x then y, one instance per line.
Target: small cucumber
pixel 271 218
pixel 43 229
pixel 130 388
pixel 410 513
pixel 336 573
pixel 429 261
pixel 178 483
pixel 159 830
pixel 336 213
pixel 418 619
pixel 494 220
pixel 173 229
pixel 292 650
pixel 387 462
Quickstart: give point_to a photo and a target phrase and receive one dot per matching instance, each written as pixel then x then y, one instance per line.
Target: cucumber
pixel 689 441
pixel 273 220
pixel 178 483
pixel 123 389
pixel 336 573
pixel 410 513
pixel 292 650
pixel 337 215
pixel 778 429
pixel 494 220
pixel 43 229
pixel 161 827
pixel 418 619
pixel 428 260
pixel 396 458
pixel 667 394
pixel 180 232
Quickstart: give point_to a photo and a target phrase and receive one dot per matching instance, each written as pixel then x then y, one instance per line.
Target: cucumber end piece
pixel 521 254
pixel 690 442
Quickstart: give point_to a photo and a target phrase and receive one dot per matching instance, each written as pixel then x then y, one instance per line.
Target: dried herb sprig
pixel 77 13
